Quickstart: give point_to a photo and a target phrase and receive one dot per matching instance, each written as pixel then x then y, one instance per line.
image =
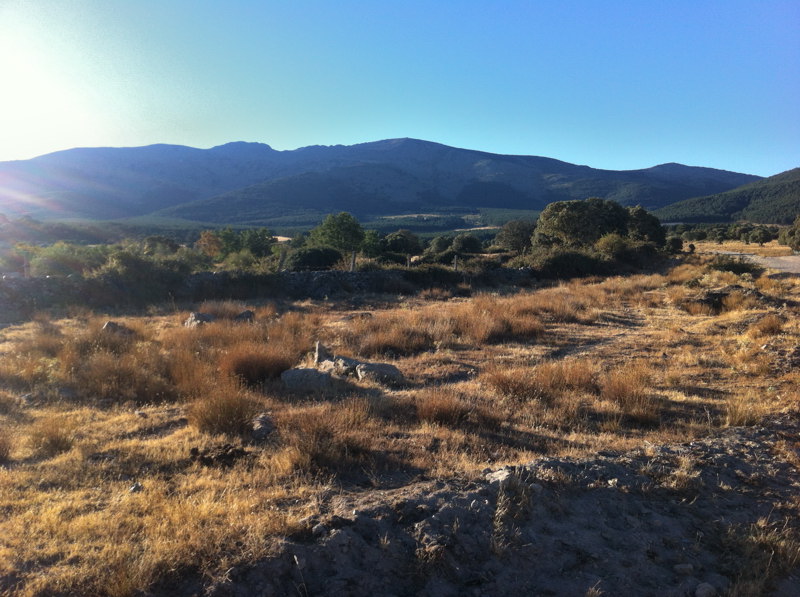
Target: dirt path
pixel 788 264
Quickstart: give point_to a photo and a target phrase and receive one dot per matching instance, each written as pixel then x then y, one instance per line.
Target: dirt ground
pixel 659 520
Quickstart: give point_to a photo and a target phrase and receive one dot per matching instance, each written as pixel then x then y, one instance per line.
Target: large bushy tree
pixel 341 231
pixel 791 236
pixel 579 223
pixel 403 241
pixel 576 224
pixel 515 235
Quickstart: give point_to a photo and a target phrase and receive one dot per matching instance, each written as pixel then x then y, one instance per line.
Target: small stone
pixel 263 427
pixel 683 569
pixel 345 365
pixel 383 373
pixel 135 488
pixel 499 476
pixel 321 354
pixel 705 589
pixel 198 318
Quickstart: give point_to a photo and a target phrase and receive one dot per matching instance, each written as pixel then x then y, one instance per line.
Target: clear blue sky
pixel 611 84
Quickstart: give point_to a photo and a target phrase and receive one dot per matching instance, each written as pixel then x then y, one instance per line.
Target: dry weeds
pixel 494 380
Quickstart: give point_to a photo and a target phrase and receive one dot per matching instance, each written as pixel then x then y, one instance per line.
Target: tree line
pixel 595 232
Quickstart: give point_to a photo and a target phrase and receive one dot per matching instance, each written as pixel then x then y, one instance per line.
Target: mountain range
pixel 773 200
pixel 251 183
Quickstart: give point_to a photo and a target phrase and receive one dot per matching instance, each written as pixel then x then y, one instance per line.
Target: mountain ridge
pixel 772 200
pixel 371 178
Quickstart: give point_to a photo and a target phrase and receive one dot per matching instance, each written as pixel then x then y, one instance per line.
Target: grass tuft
pixel 628 387
pixel 255 363
pixel 224 409
pixel 50 436
pixel 5 445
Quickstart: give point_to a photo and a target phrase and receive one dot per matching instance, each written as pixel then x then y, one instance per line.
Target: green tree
pixel 258 241
pixel 372 245
pixel 515 235
pixel 440 244
pixel 579 223
pixel 791 236
pixel 760 236
pixel 644 226
pixel 231 241
pixel 341 231
pixel 403 241
pixel 467 243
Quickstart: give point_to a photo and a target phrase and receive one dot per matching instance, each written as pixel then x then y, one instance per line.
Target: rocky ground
pixel 710 517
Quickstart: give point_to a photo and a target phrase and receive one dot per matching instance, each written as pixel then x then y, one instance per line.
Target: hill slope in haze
pixel 252 183
pixel 773 200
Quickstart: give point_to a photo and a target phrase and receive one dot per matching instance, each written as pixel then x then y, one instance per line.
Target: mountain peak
pixel 242 147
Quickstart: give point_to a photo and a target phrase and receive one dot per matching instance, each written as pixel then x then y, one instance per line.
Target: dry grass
pixel 769 325
pixel 224 409
pixel 50 436
pixel 744 409
pixel 629 387
pixel 494 380
pixel 770 249
pixel 255 363
pixel 760 553
pixel 6 444
pixel 544 382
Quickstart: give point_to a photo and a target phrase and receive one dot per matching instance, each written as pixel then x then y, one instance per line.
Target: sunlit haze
pixel 617 85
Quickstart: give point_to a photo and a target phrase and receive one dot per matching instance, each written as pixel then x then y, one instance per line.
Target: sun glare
pixel 40 107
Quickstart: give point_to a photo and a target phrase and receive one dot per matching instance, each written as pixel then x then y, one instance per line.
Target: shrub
pixel 329 437
pixel 255 363
pixel 611 245
pixel 312 258
pixel 563 263
pixel 5 445
pixel 442 406
pixel 50 436
pixel 674 244
pixel 224 409
pixel 141 376
pixel 736 265
pixel 769 325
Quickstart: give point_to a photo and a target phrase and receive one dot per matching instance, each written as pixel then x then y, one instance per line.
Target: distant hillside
pixel 252 183
pixel 773 200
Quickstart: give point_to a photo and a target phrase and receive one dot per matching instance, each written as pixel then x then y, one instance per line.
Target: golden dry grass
pixel 770 249
pixel 493 380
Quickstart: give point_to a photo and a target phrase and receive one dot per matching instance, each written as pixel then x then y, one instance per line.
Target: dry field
pixel 100 494
pixel 770 249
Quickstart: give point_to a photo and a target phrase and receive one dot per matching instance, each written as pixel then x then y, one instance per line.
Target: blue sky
pixel 611 84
